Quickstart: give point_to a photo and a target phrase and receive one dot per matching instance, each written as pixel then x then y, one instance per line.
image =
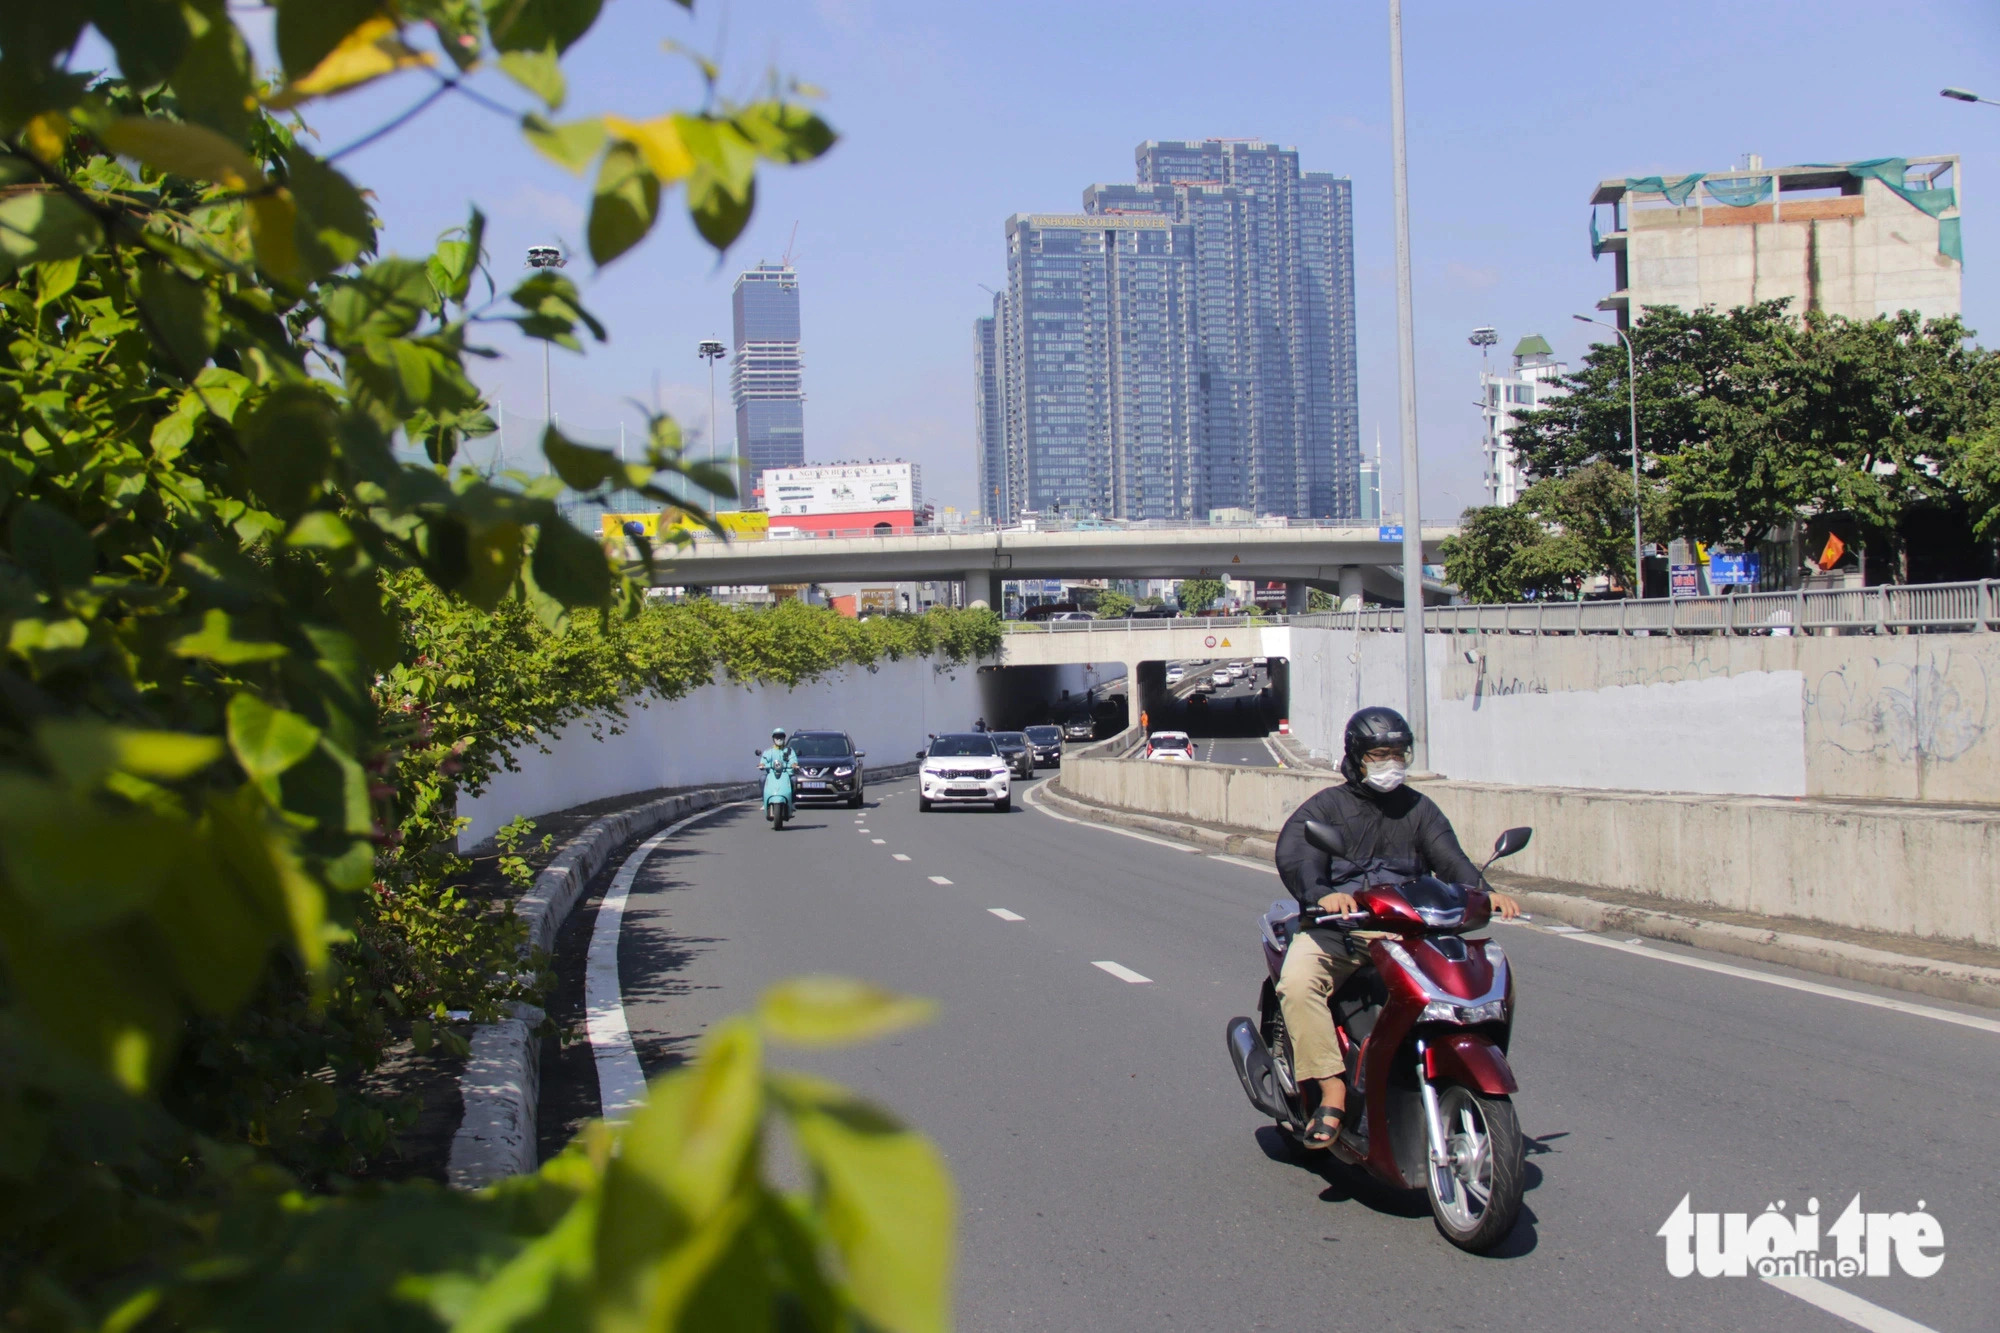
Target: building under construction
pixel 1859 239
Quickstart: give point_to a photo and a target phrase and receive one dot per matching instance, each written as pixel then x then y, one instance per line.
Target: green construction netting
pixel 1891 171
pixel 1744 192
pixel 1596 236
pixel 1676 193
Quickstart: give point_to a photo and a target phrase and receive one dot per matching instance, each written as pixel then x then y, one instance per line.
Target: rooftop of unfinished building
pixel 1798 177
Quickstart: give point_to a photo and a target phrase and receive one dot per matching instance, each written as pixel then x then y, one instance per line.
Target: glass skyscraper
pixel 767 375
pixel 1184 344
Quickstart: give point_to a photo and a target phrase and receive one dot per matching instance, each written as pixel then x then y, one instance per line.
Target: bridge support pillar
pixel 1350 587
pixel 1298 598
pixel 982 586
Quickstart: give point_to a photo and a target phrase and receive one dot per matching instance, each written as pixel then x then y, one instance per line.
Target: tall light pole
pixel 711 350
pixel 1632 438
pixel 1416 697
pixel 1966 95
pixel 546 256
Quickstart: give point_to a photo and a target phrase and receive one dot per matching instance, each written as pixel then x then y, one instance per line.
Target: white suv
pixel 963 768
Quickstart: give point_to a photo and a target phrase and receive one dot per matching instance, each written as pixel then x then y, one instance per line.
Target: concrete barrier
pixel 1926 872
pixel 1873 717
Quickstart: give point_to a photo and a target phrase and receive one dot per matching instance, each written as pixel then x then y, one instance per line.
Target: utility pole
pixel 711 350
pixel 546 256
pixel 1416 707
pixel 1631 438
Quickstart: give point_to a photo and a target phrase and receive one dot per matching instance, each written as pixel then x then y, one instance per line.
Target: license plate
pixel 964 791
pixel 814 786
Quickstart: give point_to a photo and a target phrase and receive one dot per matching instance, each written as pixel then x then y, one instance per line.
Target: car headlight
pixel 1444 1011
pixel 843 772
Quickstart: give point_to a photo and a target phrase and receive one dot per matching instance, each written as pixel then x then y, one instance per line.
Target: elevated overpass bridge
pixel 1344 559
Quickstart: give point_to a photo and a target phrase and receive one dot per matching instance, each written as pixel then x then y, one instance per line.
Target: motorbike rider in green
pixel 778 764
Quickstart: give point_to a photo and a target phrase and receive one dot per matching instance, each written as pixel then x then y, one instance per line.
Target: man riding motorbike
pixel 1393 833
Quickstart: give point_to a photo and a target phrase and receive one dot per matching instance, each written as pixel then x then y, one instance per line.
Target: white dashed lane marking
pixel 1123 973
pixel 899 856
pixel 880 842
pixel 1006 915
pixel 939 879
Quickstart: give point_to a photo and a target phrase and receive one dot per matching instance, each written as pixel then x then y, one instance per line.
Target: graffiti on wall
pixel 1937 708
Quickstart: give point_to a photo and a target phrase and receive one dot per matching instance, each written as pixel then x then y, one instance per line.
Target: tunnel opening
pixel 1216 698
pixel 1012 697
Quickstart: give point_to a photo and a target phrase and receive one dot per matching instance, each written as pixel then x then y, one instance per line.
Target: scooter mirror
pixel 1513 840
pixel 1325 837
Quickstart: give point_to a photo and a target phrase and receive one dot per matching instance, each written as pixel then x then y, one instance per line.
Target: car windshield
pixel 1169 740
pixel 1013 738
pixel 821 746
pixel 1043 735
pixel 960 747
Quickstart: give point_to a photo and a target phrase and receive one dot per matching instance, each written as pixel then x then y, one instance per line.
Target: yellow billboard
pixel 739 524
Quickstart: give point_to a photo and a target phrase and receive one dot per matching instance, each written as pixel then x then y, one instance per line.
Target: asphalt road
pixel 1112 1176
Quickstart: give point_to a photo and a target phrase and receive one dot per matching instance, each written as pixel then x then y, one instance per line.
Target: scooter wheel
pixel 1476 1196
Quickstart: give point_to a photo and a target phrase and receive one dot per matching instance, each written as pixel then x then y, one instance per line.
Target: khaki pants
pixel 1315 966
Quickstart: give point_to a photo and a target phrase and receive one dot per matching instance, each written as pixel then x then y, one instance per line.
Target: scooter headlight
pixel 1444 1011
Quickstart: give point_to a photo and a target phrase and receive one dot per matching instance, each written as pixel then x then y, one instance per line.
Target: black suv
pixel 1046 742
pixel 1014 748
pixel 829 767
pixel 1079 729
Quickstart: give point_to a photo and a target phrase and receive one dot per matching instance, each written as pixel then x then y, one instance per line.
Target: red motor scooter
pixel 1424 1032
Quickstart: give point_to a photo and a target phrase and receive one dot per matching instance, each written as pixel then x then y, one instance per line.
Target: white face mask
pixel 1384 774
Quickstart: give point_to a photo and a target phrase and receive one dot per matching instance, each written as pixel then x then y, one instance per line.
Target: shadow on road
pixel 1348 1184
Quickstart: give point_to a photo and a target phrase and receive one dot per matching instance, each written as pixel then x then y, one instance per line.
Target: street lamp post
pixel 1966 95
pixel 711 350
pixel 546 256
pixel 1416 694
pixel 1632 438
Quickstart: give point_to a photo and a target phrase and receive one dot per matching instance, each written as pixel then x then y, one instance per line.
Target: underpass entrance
pixel 1237 698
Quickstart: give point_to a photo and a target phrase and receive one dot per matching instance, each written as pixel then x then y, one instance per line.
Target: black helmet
pixel 1373 729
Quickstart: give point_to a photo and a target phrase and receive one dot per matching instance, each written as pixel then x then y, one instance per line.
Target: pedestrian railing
pixel 1917 608
pixel 1920 608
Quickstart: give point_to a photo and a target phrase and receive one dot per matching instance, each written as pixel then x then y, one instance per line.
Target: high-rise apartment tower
pixel 767 376
pixel 1184 344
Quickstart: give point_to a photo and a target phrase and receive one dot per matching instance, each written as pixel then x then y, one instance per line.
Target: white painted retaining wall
pixel 709 735
pixel 1911 717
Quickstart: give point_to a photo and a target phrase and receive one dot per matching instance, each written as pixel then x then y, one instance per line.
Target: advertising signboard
pixel 739 524
pixel 1684 580
pixel 843 488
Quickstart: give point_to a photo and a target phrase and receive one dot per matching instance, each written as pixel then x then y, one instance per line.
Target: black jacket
pixel 1392 836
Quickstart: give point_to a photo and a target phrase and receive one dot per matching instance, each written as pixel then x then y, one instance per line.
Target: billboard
pixel 739 524
pixel 842 488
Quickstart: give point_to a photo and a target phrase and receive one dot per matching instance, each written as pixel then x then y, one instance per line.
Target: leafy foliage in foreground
pixel 249 643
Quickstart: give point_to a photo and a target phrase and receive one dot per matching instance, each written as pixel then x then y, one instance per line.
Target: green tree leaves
pixel 1197 595
pixel 627 202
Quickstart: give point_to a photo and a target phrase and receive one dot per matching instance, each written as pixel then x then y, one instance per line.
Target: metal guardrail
pixel 1891 609
pixel 790 533
pixel 1121 625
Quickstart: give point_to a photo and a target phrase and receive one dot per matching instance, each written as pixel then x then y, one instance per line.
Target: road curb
pixel 1966 983
pixel 501 1086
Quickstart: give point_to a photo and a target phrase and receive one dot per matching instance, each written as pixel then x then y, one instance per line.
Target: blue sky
pixel 954 116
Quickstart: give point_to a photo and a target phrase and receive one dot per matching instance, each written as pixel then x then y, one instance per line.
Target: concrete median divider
pixel 1895 893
